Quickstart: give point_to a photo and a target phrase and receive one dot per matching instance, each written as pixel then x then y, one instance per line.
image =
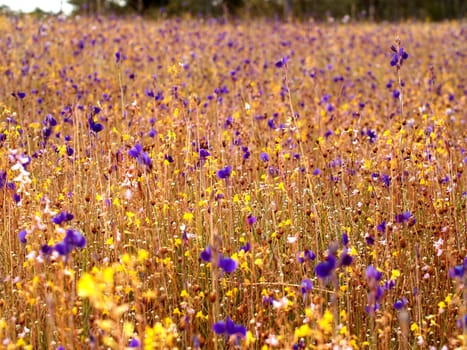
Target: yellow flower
pixel 325 323
pixel 303 331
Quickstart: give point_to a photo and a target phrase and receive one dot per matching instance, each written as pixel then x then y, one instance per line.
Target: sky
pixel 31 5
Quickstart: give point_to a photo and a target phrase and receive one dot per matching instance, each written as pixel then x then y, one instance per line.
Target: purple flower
pixel 389 284
pixel 46 249
pixel 227 264
pixel 404 217
pixel 457 271
pixel 403 54
pixel 135 151
pixel 16 197
pixel 73 239
pixel 3 178
pixel 22 236
pixel 371 135
pixel 282 62
pixel 325 268
pixel 229 328
pixel 345 239
pixel 396 93
pixel 203 153
pixel 345 259
pixel 399 304
pixel 373 274
pixel 370 240
pixel 142 157
pixel 306 286
pixel 251 220
pixel 305 255
pixel 225 172
pixel 246 248
pixel 62 217
pixel 95 127
pixel 206 254
pixel 398 57
pixel 264 157
pixel 381 227
pixel 386 180
pixel 134 343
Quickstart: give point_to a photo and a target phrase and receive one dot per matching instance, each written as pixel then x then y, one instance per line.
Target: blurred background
pixel 327 10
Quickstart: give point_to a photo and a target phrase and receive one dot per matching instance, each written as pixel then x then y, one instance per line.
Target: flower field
pixel 255 185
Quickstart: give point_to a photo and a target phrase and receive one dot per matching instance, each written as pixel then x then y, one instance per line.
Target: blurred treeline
pixel 378 10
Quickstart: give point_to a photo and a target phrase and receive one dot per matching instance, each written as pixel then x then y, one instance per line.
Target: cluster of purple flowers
pixel 229 328
pixel 405 217
pixel 225 172
pixel 373 276
pixel 325 268
pixel 398 57
pixel 227 265
pixel 142 157
pixel 73 238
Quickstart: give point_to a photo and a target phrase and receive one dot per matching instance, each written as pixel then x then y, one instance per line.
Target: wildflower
pixel 398 57
pixel 22 236
pixel 225 172
pixel 142 157
pixel 386 180
pixel 73 239
pixel 345 259
pixel 46 249
pixel 373 274
pixel 246 248
pixel 345 239
pixel 306 286
pixel 396 93
pixel 399 304
pixel 229 265
pixel 62 217
pixel 94 126
pixel 305 255
pixel 206 254
pixel 251 220
pixel 381 227
pixel 134 343
pixel 325 268
pixel 229 328
pixel 282 62
pixel 21 95
pixel 404 217
pixel 458 271
pixel 203 153
pixel 371 135
pixel 264 157
pixel 3 178
pixel 370 240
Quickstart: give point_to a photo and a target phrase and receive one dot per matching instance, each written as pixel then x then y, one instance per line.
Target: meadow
pixel 255 185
